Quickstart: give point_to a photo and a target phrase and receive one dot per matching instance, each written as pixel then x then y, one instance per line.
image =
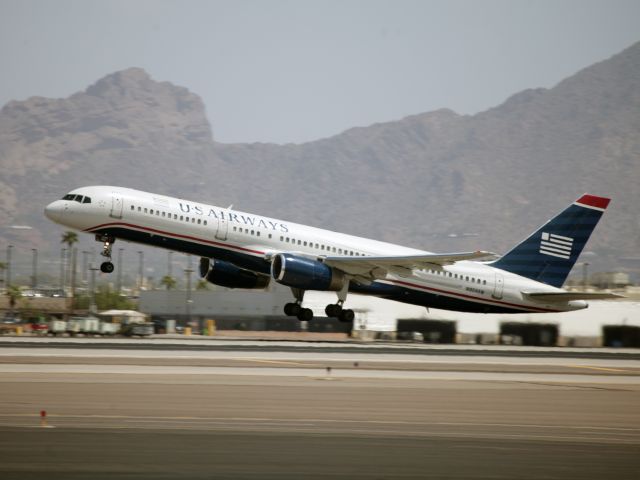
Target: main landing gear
pixel 295 309
pixel 107 240
pixel 333 310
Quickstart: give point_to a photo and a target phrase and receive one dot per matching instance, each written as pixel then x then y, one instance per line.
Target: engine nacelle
pixel 229 275
pixel 305 273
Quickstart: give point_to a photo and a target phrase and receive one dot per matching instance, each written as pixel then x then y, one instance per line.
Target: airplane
pixel 243 250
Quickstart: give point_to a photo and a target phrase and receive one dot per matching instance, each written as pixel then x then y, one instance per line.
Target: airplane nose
pixel 53 211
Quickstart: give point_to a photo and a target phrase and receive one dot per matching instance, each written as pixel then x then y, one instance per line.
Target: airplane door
pixel 116 206
pixel 499 286
pixel 223 227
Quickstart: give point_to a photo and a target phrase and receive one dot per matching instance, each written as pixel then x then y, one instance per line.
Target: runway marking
pixel 311 421
pixel 598 368
pixel 278 362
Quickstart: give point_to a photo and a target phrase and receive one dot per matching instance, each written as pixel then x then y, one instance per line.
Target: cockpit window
pixel 77 198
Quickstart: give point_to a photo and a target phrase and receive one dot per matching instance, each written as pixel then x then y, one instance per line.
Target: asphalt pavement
pixel 136 414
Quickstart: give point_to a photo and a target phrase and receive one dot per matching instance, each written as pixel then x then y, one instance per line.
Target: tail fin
pixel 549 254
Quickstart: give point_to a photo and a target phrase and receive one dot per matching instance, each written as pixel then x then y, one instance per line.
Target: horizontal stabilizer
pixel 569 296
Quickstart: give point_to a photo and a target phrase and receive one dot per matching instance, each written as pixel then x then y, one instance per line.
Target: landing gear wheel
pixel 333 310
pixel 292 309
pixel 305 315
pixel 106 267
pixel 347 316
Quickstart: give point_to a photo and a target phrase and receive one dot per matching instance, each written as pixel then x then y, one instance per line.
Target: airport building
pixel 612 323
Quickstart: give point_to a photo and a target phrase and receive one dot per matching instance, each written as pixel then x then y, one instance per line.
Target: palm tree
pixel 69 238
pixel 169 282
pixel 14 294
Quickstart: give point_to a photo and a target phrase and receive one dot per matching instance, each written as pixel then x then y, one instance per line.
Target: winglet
pixel 591 201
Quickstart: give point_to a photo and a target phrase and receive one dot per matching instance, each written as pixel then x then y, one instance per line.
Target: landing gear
pixel 106 267
pixel 336 311
pixel 333 310
pixel 296 310
pixel 107 240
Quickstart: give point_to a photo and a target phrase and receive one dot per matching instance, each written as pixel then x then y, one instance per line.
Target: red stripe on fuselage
pixel 471 297
pixel 175 235
pixel 257 252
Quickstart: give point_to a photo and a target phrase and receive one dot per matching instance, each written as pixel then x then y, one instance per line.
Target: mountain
pixel 438 180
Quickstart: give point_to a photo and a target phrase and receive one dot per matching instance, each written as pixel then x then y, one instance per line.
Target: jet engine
pixel 229 275
pixel 305 273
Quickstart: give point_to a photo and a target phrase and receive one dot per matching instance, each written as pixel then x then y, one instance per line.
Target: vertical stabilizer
pixel 549 254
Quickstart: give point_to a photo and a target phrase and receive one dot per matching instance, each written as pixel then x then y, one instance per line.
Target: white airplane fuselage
pixel 250 242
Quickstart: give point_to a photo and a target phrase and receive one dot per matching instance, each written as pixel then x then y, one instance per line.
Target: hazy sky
pixel 292 71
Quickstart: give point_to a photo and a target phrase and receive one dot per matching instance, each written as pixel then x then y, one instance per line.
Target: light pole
pixel 85 266
pixel 119 272
pixel 93 308
pixel 34 277
pixel 8 277
pixel 63 252
pixel 188 271
pixel 140 270
pixel 585 277
pixel 74 256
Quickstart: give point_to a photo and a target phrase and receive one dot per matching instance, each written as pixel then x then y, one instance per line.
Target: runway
pixel 127 413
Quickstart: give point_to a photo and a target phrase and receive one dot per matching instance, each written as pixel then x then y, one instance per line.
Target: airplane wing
pixel 562 297
pixel 373 267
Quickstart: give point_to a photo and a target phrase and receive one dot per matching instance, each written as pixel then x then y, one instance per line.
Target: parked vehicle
pixel 57 327
pixel 108 328
pixel 85 325
pixel 140 329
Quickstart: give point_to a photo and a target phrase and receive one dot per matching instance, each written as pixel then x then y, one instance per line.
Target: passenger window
pixel 181 218
pixel 151 212
pixel 145 211
pixel 269 235
pixel 164 214
pixel 139 209
pixel 299 242
pixel 132 207
pixel 257 233
pixel 205 222
pixel 157 213
pixel 305 244
pixel 281 238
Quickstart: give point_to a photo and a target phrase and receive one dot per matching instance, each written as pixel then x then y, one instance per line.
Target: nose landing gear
pixel 108 241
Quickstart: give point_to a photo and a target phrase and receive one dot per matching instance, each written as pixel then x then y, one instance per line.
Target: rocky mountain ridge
pixel 438 180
